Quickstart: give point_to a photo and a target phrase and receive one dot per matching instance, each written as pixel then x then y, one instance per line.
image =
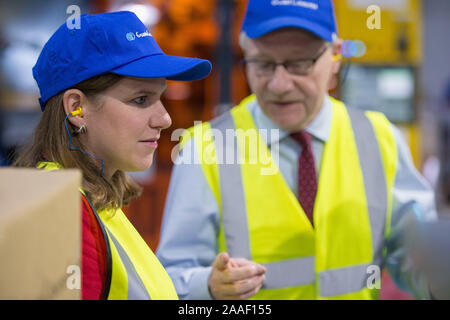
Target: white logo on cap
pixel 298 3
pixel 143 34
pixel 132 36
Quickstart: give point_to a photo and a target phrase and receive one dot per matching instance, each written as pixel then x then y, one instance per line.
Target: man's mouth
pixel 283 103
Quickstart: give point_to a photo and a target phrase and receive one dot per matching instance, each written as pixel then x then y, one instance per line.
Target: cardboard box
pixel 40 234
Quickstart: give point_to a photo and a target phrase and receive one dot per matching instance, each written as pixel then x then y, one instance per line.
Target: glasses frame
pixel 286 64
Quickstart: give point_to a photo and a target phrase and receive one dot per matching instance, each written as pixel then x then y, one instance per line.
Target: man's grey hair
pixel 243 37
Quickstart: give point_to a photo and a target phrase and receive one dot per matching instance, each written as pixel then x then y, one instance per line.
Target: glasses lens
pixel 263 67
pixel 299 67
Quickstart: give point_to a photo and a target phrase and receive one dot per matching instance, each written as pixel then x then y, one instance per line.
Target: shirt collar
pixel 319 128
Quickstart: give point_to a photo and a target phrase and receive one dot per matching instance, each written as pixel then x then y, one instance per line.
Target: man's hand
pixel 235 278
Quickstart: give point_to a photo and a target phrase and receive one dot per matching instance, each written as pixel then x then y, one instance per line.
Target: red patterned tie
pixel 307 179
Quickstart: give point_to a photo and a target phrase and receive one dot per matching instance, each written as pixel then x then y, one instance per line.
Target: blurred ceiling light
pixel 147 13
pixel 16 64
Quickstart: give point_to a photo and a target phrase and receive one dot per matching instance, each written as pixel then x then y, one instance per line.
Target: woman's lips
pixel 151 143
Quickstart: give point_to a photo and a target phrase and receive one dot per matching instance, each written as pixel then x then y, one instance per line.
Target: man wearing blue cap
pixel 320 209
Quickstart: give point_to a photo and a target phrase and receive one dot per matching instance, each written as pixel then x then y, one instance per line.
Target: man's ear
pixel 337 55
pixel 74 100
pixel 337 60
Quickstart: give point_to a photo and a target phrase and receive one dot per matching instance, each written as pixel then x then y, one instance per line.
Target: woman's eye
pixel 140 100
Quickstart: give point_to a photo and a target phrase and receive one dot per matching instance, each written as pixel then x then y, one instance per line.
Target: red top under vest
pixel 93 260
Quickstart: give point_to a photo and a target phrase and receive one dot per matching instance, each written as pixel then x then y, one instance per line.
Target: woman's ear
pixel 73 100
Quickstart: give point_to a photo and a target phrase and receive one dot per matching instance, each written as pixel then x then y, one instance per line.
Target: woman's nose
pixel 160 118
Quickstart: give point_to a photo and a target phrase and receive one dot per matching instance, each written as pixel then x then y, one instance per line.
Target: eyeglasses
pixel 300 67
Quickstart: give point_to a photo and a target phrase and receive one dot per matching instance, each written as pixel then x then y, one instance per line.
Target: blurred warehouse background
pixel 401 67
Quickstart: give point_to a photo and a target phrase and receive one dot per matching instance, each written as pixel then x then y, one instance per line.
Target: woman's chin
pixel 138 167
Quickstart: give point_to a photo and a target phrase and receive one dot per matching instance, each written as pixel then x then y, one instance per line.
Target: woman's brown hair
pixel 51 142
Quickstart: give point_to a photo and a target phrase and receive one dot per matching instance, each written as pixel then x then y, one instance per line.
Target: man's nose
pixel 281 81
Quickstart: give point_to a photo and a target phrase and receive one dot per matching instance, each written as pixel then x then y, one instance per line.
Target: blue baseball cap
pixel 116 42
pixel 316 16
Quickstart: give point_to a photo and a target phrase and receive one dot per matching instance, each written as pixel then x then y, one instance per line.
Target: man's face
pixel 291 101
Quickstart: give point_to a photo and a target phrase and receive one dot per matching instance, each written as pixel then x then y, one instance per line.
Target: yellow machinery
pixel 384 78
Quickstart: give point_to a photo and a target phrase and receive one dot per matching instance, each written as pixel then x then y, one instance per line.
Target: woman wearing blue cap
pixel 100 90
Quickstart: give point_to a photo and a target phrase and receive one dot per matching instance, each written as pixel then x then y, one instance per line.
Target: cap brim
pixel 270 25
pixel 166 66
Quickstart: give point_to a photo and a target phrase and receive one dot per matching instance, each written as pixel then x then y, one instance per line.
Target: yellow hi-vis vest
pixel 133 271
pixel 262 220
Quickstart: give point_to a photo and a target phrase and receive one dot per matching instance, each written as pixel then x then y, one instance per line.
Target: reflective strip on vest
pixel 295 272
pixel 232 193
pixel 289 273
pixel 374 182
pixel 136 289
pixel 343 280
